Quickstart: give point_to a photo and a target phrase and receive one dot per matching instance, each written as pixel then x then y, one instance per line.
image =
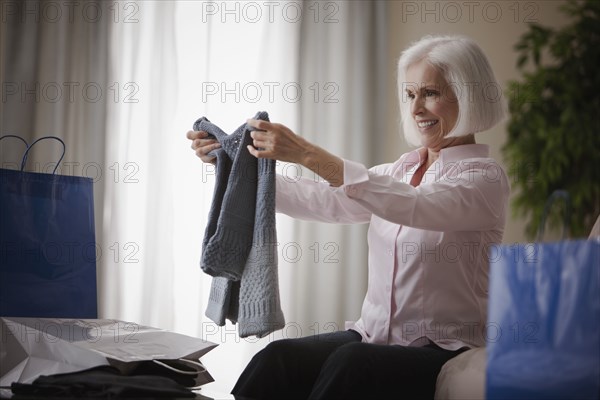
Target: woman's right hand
pixel 202 146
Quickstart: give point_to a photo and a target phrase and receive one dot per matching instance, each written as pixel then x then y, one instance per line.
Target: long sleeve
pixel 466 195
pixel 314 201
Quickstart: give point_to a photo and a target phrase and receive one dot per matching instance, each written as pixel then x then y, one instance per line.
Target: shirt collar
pixel 412 160
pixel 463 152
pixel 451 154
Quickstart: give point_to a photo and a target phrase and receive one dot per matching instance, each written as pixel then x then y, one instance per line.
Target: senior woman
pixel 433 214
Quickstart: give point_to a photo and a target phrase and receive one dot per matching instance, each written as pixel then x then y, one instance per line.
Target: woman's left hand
pixel 277 142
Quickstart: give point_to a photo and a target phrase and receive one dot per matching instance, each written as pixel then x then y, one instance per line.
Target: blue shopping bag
pixel 543 332
pixel 47 244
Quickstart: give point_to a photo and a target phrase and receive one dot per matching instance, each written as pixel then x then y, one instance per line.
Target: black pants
pixel 339 366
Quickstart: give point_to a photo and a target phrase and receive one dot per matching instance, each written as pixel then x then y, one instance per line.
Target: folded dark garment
pixel 150 368
pixel 100 382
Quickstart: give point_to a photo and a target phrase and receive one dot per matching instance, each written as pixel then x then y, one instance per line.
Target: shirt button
pixel 390 252
pixel 388 287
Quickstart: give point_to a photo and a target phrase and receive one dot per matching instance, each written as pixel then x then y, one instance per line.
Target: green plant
pixel 554 128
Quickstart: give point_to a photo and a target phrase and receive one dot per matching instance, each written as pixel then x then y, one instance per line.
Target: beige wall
pixel 495 25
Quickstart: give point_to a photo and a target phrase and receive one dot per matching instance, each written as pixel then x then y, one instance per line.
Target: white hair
pixel 467 71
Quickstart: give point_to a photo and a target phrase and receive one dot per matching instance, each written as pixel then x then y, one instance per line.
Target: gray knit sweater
pixel 240 241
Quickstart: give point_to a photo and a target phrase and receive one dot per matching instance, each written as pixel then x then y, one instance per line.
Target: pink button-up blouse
pixel 428 245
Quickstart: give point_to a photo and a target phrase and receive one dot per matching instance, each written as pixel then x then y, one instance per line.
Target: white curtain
pixel 318 67
pixel 137 268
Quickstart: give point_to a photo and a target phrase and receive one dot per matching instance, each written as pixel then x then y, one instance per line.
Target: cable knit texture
pixel 240 241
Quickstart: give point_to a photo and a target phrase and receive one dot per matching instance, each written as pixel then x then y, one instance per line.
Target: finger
pixel 196 143
pixel 192 135
pixel 255 152
pixel 261 144
pixel 258 135
pixel 259 124
pixel 204 150
pixel 195 135
pixel 203 153
pixel 209 159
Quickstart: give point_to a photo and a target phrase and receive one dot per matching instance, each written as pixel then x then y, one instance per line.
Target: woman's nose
pixel 416 106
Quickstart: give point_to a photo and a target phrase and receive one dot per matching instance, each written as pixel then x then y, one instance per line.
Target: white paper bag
pixel 30 347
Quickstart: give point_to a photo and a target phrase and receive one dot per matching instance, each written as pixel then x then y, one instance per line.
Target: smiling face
pixel 433 104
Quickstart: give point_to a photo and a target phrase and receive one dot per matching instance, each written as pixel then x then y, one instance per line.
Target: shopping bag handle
pixel 42 138
pixel 557 194
pixel 180 371
pixel 199 369
pixel 15 137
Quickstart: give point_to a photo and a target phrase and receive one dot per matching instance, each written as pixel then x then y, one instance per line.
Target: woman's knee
pixel 280 347
pixel 351 354
pixel 349 360
pixel 277 352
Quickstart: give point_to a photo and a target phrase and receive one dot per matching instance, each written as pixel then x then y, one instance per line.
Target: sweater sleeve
pixel 309 200
pixel 470 200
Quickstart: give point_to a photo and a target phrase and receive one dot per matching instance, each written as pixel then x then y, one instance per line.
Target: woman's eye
pixel 430 93
pixel 410 96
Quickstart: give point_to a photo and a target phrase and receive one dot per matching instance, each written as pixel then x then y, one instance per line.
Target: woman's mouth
pixel 427 124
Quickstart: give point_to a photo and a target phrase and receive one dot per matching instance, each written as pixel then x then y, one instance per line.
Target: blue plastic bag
pixel 47 245
pixel 543 332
